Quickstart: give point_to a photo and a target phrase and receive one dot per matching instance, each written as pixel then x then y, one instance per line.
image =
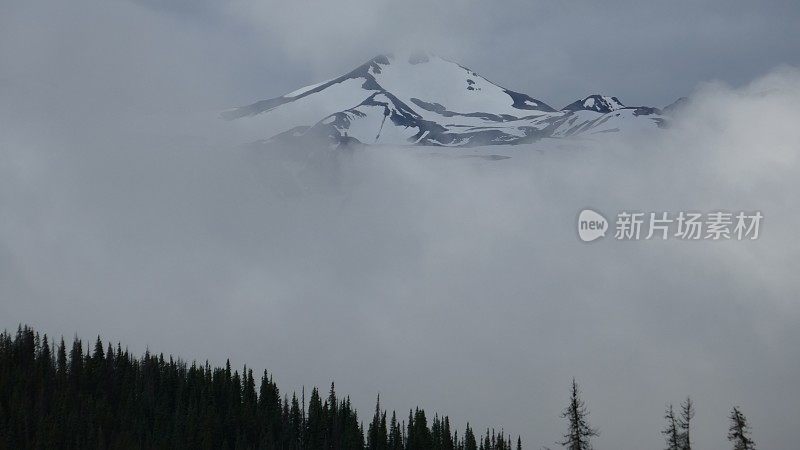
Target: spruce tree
pixel 685 423
pixel 436 433
pixel 579 433
pixel 448 440
pixel 395 434
pixel 671 432
pixel 332 424
pixel 376 433
pixel 419 437
pixel 315 426
pixel 470 443
pixel 739 431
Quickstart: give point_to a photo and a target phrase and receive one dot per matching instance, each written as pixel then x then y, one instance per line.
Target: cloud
pixel 644 53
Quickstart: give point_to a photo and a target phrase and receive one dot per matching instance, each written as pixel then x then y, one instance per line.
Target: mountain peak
pixel 405 57
pixel 420 98
pixel 596 102
pixel 413 57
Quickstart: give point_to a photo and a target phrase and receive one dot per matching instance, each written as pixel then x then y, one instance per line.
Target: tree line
pixel 103 397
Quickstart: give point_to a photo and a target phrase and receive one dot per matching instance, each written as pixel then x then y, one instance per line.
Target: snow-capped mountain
pixel 598 103
pixel 422 99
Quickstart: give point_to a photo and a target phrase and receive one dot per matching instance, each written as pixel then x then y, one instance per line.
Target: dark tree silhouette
pixel 739 431
pixel 685 423
pixel 470 443
pixel 579 433
pixel 377 435
pixel 95 397
pixel 671 432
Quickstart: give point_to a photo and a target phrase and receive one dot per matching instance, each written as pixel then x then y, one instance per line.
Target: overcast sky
pixel 643 52
pixel 126 209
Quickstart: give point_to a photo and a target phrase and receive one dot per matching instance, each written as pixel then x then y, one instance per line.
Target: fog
pixel 129 210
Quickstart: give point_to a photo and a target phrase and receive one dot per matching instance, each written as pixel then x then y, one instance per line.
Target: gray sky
pixel 458 285
pixel 643 52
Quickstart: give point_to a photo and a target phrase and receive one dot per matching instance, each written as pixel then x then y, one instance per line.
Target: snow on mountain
pixel 598 103
pixel 422 99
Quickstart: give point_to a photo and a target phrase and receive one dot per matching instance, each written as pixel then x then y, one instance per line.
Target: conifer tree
pixel 685 423
pixel 395 441
pixel 409 430
pixel 470 443
pixel 332 424
pixel 315 426
pixel 61 360
pixel 739 431
pixel 671 432
pixel 579 433
pixel 436 433
pixel 377 435
pixel 448 441
pixel 419 437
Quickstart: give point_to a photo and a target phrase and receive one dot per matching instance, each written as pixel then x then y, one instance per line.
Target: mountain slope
pixel 422 99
